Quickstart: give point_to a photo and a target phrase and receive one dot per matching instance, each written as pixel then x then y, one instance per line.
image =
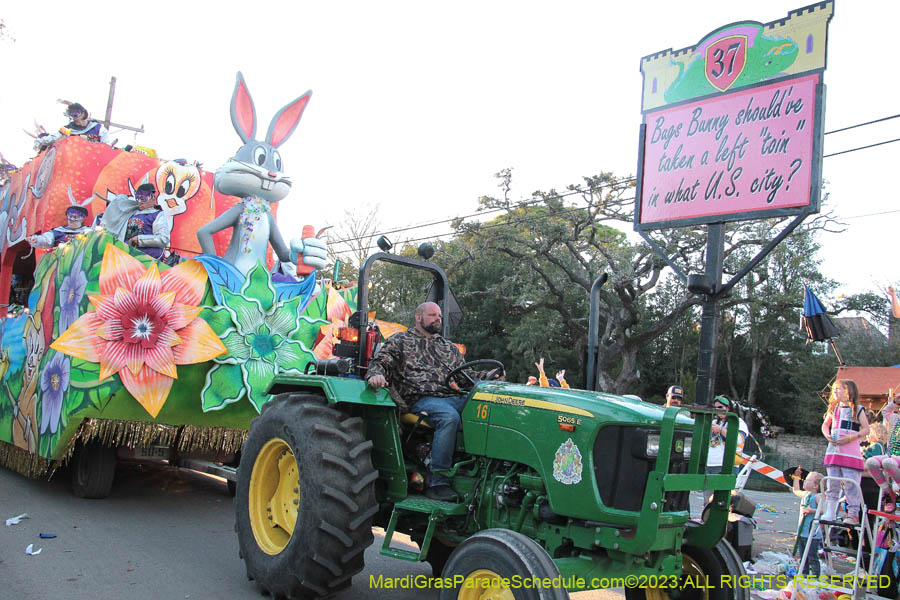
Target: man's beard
pixel 433 327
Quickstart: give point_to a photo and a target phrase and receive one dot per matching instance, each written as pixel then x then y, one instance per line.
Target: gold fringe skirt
pixel 129 434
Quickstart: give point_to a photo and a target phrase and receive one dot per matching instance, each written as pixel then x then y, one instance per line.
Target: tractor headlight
pixel 687 446
pixel 652 444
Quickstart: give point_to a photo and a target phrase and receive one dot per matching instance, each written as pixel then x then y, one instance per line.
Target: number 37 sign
pixel 732 127
pixel 725 61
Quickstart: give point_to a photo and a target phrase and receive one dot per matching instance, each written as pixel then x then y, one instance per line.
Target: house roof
pixel 873 382
pixel 859 327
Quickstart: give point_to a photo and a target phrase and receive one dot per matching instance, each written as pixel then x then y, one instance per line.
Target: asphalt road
pixel 163 534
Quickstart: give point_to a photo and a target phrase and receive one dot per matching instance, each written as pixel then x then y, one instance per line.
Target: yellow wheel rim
pixel 689 568
pixel 484 584
pixel 274 496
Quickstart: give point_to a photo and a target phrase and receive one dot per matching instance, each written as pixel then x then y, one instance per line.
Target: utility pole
pixel 109 104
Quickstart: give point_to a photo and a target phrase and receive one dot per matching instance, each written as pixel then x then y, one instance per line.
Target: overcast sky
pixel 417 104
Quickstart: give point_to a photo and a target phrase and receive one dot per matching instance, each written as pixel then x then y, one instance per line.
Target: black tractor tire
pixel 438 554
pixel 305 454
pixel 501 553
pixel 93 469
pixel 703 576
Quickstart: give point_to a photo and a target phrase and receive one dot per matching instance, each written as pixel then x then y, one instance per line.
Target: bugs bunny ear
pixel 284 123
pixel 243 113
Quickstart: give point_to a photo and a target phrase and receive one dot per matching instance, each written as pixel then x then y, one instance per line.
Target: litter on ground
pixel 16 520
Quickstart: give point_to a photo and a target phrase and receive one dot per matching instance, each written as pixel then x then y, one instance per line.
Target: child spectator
pixel 877 438
pixel 809 501
pixel 560 380
pixel 845 423
pixel 884 466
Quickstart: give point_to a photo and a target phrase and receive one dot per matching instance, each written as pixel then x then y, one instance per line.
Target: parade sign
pixel 733 126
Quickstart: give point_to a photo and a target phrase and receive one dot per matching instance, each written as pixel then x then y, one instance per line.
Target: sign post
pixel 732 130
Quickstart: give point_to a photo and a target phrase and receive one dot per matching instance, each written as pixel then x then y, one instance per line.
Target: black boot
pixel 444 493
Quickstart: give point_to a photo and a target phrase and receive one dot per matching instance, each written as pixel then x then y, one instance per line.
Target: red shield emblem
pixel 725 61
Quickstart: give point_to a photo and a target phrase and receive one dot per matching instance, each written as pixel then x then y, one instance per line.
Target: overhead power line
pixel 862 147
pixel 521 204
pixel 862 124
pixel 624 180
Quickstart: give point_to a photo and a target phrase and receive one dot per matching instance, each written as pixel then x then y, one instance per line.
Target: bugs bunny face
pixel 34 347
pixel 257 168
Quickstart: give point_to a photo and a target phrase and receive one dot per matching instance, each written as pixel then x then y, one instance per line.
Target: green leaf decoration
pixel 218 318
pixel 258 374
pixel 318 306
pixel 238 348
pixel 259 285
pixel 247 314
pixel 293 356
pixel 224 385
pixel 308 329
pixel 283 319
pixel 263 337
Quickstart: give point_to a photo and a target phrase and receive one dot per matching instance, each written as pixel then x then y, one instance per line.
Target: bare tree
pixel 352 239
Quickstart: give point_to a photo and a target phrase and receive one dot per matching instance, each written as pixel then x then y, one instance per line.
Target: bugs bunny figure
pixel 255 175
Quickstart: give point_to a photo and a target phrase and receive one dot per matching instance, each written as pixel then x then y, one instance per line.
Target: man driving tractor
pixel 416 364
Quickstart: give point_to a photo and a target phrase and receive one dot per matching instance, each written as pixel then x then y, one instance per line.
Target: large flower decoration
pixel 54 383
pixel 264 337
pixel 145 323
pixel 71 291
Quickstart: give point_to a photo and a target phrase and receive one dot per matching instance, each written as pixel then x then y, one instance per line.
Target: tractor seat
pixel 412 419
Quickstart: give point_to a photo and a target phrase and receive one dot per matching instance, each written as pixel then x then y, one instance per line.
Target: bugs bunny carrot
pixel 255 175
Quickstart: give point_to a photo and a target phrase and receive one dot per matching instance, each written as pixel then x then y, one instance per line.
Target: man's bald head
pixel 428 318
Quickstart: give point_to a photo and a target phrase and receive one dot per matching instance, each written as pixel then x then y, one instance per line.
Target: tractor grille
pixel 621 467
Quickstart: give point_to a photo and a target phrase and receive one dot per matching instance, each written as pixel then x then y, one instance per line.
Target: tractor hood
pixel 576 402
pixel 593 452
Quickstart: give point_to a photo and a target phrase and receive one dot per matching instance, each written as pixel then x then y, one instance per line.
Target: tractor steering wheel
pixel 460 371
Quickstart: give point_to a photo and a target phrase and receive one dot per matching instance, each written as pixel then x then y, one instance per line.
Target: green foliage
pixel 522 279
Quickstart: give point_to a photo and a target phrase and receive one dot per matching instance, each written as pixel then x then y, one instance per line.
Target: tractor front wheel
pixel 705 575
pixel 305 498
pixel 490 558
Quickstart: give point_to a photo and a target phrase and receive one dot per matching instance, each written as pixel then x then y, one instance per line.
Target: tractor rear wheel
pixel 93 468
pixel 703 576
pixel 305 498
pixel 493 555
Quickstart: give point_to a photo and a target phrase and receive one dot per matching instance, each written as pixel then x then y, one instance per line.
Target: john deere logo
pixel 679 446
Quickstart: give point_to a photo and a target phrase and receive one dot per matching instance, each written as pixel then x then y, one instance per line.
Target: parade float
pixel 106 352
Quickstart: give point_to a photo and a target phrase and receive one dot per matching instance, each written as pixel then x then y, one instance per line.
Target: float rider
pixel 80 125
pixel 75 216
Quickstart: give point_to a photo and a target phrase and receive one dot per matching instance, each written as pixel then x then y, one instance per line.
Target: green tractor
pixel 561 490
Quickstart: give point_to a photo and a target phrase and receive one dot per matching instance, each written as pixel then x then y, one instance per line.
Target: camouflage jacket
pixel 416 366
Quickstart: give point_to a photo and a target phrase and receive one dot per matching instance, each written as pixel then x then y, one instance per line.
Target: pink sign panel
pixel 746 152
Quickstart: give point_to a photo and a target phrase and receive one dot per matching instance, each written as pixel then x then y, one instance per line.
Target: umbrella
pixel 817 323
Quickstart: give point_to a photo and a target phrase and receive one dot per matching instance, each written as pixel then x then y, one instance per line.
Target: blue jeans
pixel 812 560
pixel 444 415
pixel 711 471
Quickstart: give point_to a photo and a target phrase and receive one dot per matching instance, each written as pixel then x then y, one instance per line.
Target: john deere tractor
pixel 561 490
